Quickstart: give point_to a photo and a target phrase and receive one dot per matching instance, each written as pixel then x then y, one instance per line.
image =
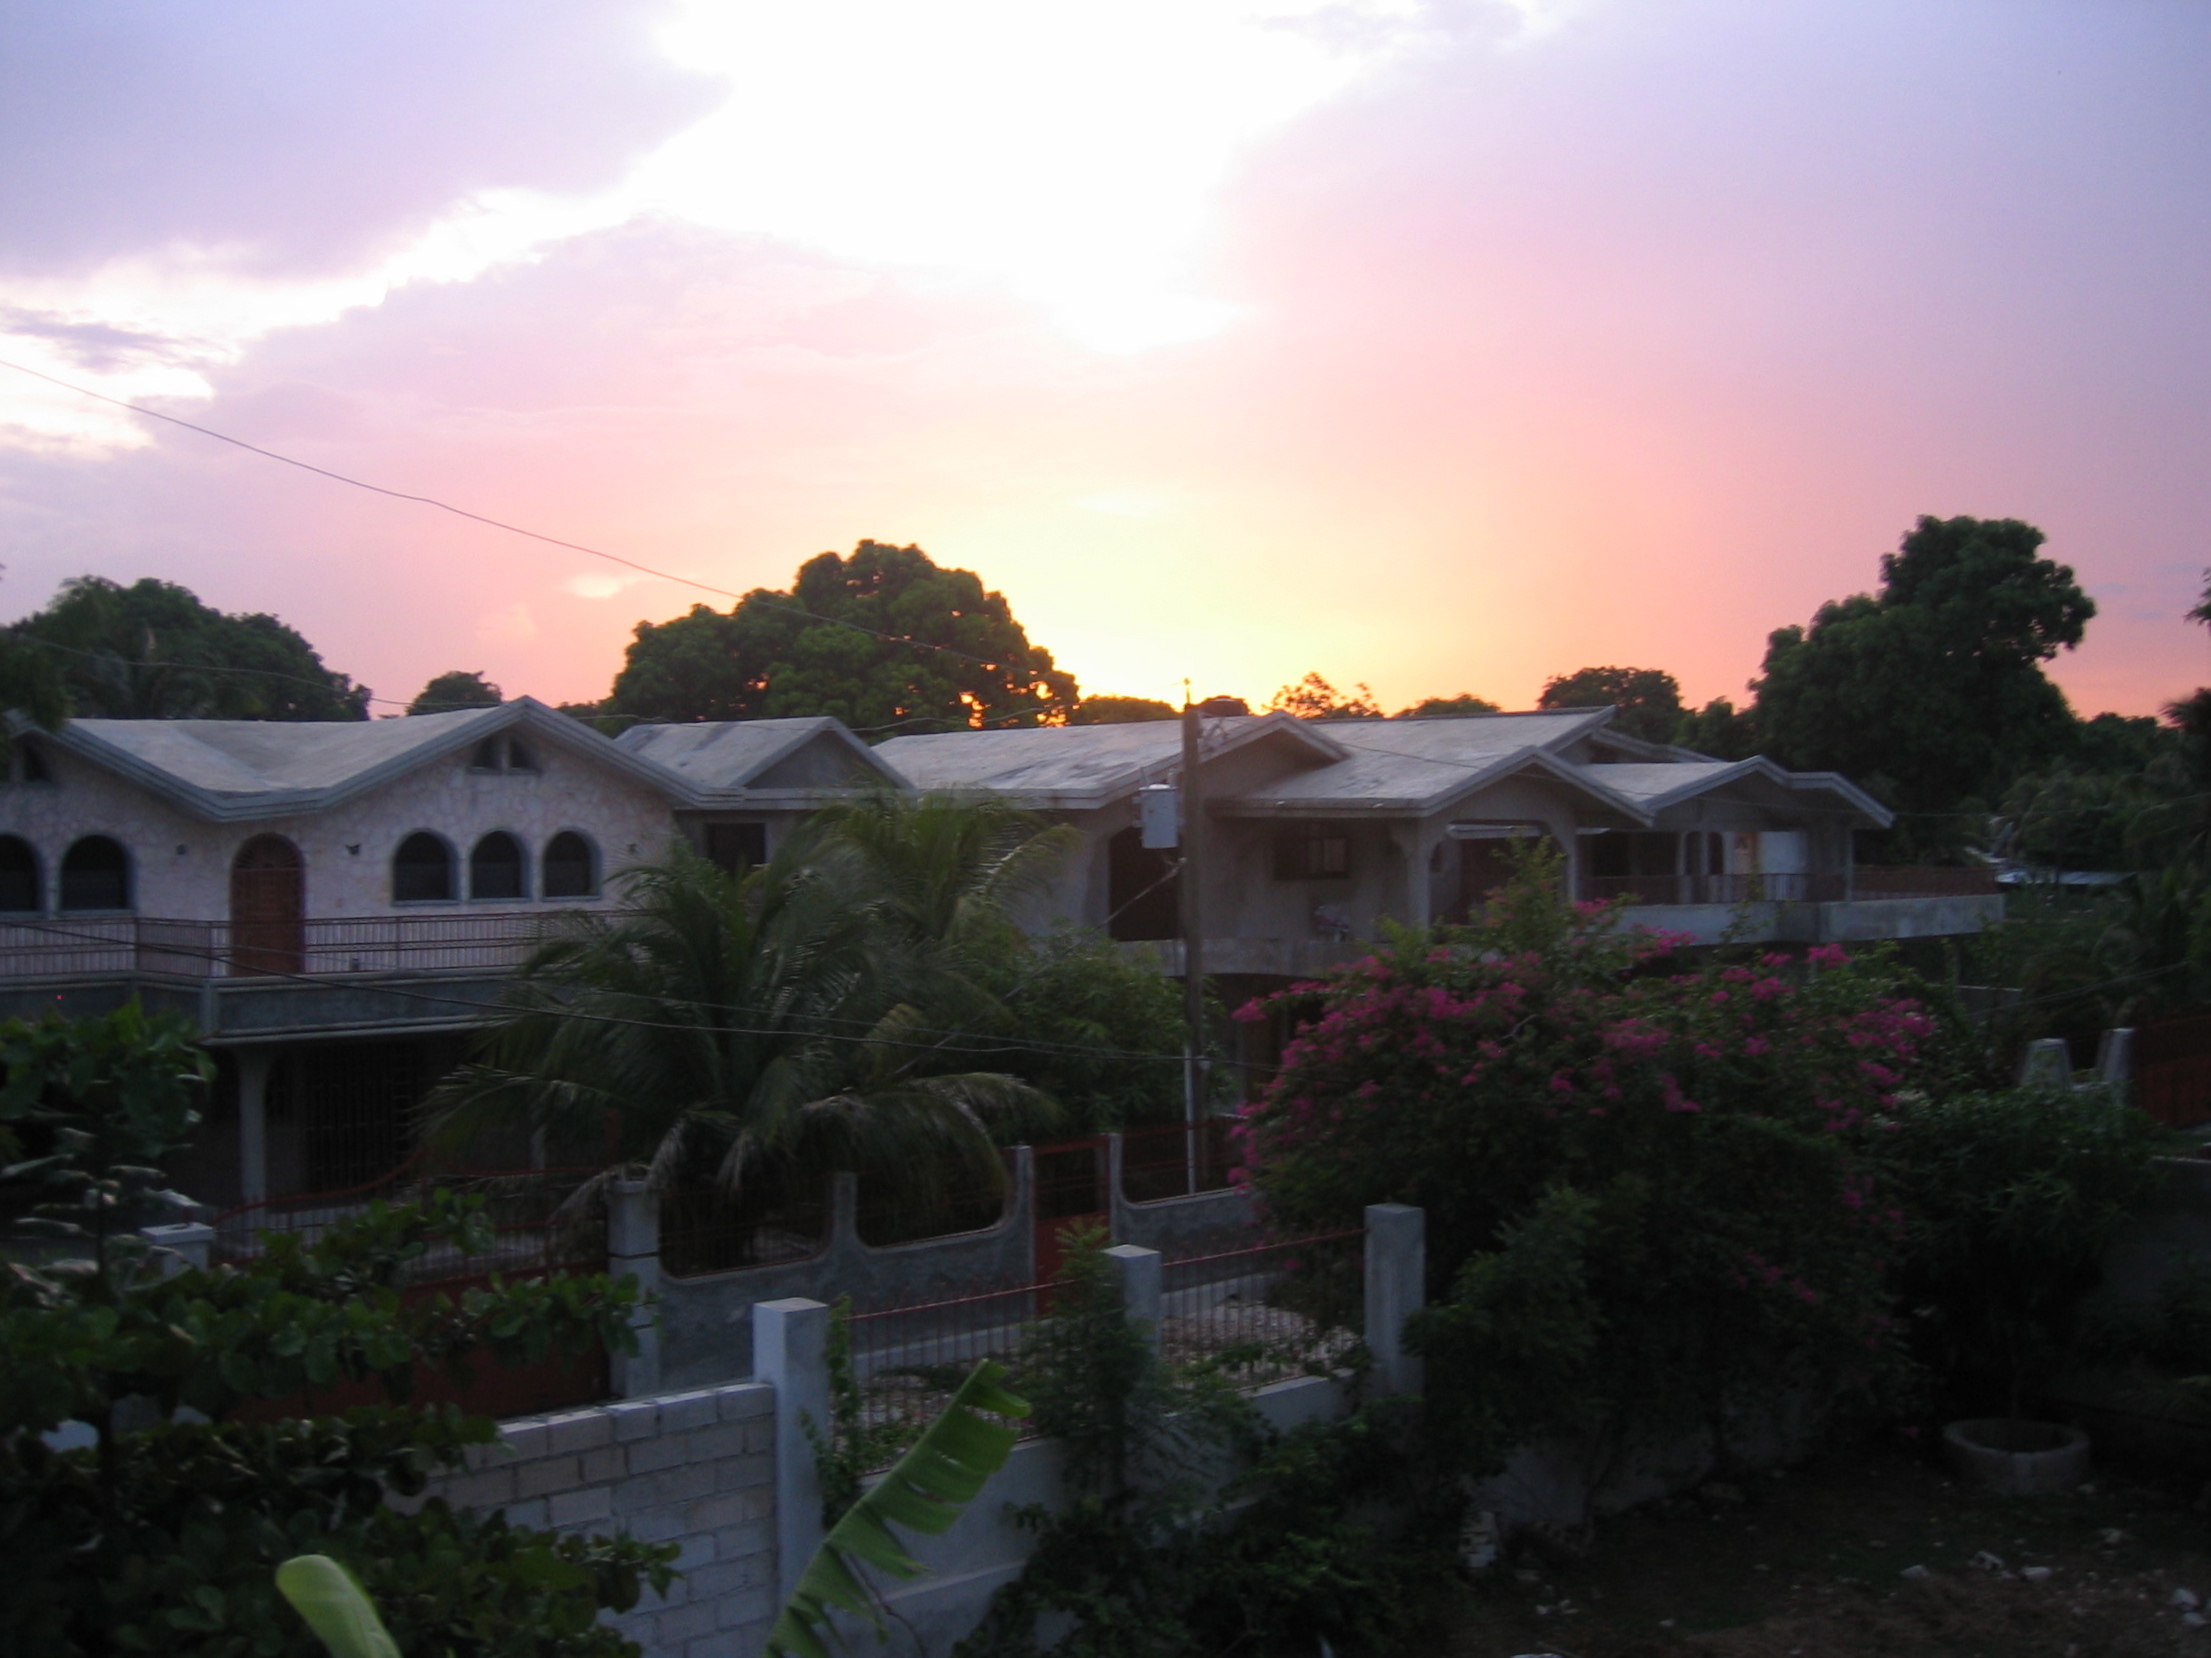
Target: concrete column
pixel 2046 1064
pixel 185 1244
pixel 790 1348
pixel 1139 1275
pixel 1396 1288
pixel 2115 1057
pixel 253 1123
pixel 633 1250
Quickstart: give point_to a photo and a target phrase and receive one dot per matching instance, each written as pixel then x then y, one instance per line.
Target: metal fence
pixel 1719 889
pixel 69 945
pixel 707 1229
pixel 1253 1316
pixel 1268 1313
pixel 1922 881
pixel 1177 1160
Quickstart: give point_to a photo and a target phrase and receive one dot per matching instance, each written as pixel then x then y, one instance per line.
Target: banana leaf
pixel 336 1608
pixel 925 1491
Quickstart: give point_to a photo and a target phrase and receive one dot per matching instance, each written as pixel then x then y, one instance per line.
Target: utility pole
pixel 1193 922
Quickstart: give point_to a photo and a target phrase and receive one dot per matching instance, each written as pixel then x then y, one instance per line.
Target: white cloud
pixel 510 626
pixel 594 584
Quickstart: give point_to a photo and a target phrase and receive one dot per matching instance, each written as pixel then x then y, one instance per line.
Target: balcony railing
pixel 1719 889
pixel 1921 881
pixel 69 946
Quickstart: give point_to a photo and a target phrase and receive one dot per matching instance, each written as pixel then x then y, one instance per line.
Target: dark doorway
pixel 495 867
pixel 1143 889
pixel 95 875
pixel 1484 866
pixel 734 848
pixel 268 908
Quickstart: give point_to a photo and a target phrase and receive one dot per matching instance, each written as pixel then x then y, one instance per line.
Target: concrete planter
pixel 2019 1459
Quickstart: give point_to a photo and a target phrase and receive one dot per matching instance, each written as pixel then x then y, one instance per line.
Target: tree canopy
pixel 1464 703
pixel 777 653
pixel 1313 698
pixel 460 688
pixel 1122 711
pixel 1649 699
pixel 155 651
pixel 1931 692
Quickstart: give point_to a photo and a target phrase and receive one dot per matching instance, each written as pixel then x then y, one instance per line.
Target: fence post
pixel 2115 1057
pixel 633 1249
pixel 1138 1276
pixel 1396 1286
pixel 2046 1064
pixel 185 1244
pixel 790 1348
pixel 253 1124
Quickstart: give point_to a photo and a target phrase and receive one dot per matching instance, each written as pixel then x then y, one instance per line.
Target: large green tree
pixel 155 651
pixel 1931 691
pixel 455 689
pixel 851 638
pixel 1649 699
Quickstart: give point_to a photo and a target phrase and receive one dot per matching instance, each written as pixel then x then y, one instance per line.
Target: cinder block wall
pixel 696 1469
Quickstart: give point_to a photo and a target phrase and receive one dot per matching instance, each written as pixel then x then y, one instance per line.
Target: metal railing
pixel 1176 1160
pixel 1922 881
pixel 70 945
pixel 1825 888
pixel 909 1360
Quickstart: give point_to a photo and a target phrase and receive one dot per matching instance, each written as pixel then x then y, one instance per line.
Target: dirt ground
pixel 1881 1554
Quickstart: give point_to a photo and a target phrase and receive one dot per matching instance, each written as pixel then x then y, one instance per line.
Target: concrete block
pixel 680 1412
pixel 581 1508
pixel 548 1474
pixel 498 1454
pixel 635 1494
pixel 715 1512
pixel 687 1623
pixel 528 1515
pixel 657 1525
pixel 731 1611
pixel 578 1430
pixel 745 1402
pixel 755 1540
pixel 697 1552
pixel 634 1419
pixel 605 1464
pixel 727 1644
pixel 709 1583
pixel 679 1594
pixel 737 1473
pixel 724 1439
pixel 650 1455
pixel 493 1488
pixel 682 1485
pixel 525 1438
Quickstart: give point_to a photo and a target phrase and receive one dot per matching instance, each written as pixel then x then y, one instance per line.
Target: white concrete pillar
pixel 253 1123
pixel 182 1245
pixel 790 1349
pixel 1396 1288
pixel 1140 1276
pixel 2046 1064
pixel 633 1250
pixel 2115 1057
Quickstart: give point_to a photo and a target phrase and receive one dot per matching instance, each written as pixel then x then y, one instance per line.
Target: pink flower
pixel 1827 955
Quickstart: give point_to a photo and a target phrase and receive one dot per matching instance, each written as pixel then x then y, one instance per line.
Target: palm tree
pixel 750 1033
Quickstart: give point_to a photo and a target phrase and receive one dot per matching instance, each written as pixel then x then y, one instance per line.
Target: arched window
pixel 495 867
pixel 422 869
pixel 569 867
pixel 96 875
pixel 19 894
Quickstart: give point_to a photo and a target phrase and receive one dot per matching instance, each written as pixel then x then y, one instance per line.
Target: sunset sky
pixel 1442 346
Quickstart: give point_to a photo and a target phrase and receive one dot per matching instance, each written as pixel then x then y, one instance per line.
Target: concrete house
pixel 329 903
pixel 336 905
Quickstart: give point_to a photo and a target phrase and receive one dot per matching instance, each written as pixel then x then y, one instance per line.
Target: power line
pixel 757 596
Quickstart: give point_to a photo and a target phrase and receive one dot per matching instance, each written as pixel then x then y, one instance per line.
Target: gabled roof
pixel 1421 766
pixel 719 758
pixel 229 770
pixel 1658 785
pixel 1084 767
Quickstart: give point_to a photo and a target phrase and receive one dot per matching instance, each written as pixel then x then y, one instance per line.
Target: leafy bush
pixel 163 1533
pixel 1653 1200
pixel 2012 1199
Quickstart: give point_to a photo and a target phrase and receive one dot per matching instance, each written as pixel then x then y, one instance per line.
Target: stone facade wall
pixel 695 1469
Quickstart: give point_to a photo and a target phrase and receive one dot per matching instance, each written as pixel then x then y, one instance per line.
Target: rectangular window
pixel 1302 856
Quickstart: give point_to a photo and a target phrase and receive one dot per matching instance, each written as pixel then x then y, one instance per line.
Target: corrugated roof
pixel 1417 761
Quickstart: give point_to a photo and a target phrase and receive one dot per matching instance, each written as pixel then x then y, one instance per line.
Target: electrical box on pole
pixel 1159 815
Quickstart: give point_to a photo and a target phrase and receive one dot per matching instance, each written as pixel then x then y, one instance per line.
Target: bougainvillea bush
pixel 1654 1191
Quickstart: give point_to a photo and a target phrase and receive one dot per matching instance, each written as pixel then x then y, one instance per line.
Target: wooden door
pixel 268 908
